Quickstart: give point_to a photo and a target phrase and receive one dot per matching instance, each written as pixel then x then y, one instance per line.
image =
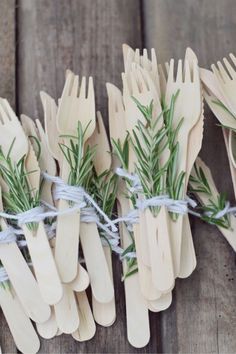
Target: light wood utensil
pixel 209 80
pixel 160 304
pixel 45 160
pixel 50 123
pixel 131 56
pixel 102 158
pixel 37 242
pixel 188 260
pixel 188 105
pixel 117 110
pixel 22 279
pixel 81 282
pixel 104 313
pixel 87 327
pixel 226 77
pixel 49 328
pixel 21 328
pixel 156 241
pixel 101 283
pixel 137 321
pixel 66 311
pixel 135 86
pixel 74 105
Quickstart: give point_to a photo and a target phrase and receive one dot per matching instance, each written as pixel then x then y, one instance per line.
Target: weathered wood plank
pixel 7 90
pixel 86 36
pixel 204 311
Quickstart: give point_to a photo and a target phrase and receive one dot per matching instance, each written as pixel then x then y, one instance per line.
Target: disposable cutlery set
pixel 152 95
pixel 70 197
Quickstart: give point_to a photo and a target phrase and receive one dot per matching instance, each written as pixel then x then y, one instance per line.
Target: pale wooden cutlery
pixel 22 279
pixel 137 321
pixel 74 106
pixel 21 328
pixel 226 77
pixel 66 311
pixel 34 130
pixel 133 56
pixel 104 313
pixel 188 260
pixel 87 327
pixel 81 282
pixel 156 248
pixel 188 106
pixel 49 328
pixel 37 242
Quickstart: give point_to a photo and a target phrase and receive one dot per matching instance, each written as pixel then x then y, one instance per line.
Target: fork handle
pixel 105 313
pixel 137 319
pixel 188 259
pixel 66 311
pixel 19 323
pixel 44 264
pixel 24 283
pixel 67 243
pixel 158 234
pixel 96 263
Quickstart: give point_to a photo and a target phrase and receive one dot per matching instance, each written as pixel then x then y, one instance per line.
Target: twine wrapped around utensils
pixel 174 206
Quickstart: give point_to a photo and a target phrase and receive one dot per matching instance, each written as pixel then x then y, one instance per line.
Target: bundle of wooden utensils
pixel 70 198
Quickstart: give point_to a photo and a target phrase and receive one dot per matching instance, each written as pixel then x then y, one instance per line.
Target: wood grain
pixel 204 311
pixel 85 36
pixel 7 90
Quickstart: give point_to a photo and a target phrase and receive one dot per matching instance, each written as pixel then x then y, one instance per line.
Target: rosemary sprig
pixel 131 263
pixel 20 197
pixel 200 181
pixel 213 208
pixel 79 160
pixel 199 184
pixel 103 187
pixel 155 177
pixel 148 153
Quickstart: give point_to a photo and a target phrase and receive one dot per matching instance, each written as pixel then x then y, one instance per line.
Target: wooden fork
pixel 226 77
pixel 131 56
pixel 74 105
pixel 81 282
pixel 188 260
pixel 45 159
pixel 39 248
pixel 104 313
pixel 22 279
pixel 133 296
pixel 188 106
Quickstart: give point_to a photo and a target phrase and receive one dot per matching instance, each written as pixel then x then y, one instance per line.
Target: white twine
pixel 173 205
pixel 77 195
pixel 227 210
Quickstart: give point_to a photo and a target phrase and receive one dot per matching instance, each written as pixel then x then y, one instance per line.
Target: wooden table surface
pixel 39 39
